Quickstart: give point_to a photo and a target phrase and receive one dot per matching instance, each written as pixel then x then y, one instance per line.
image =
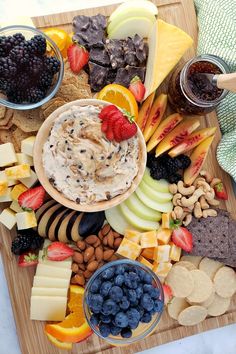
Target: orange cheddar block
pixel 163 236
pixel 3 187
pixel 145 262
pixel 166 218
pixel 162 253
pixel 19 171
pixel 162 269
pixel 175 252
pixel 148 239
pixel 17 191
pixel 148 253
pixel 133 236
pixel 129 249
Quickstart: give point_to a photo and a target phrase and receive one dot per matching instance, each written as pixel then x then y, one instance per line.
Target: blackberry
pixel 150 160
pixel 175 178
pixel 37 45
pixel 35 65
pixel 18 38
pixel 52 64
pixel 158 172
pixel 23 80
pixel 183 161
pixel 20 55
pixel 21 244
pixel 15 95
pixel 34 95
pixel 6 44
pixel 5 85
pixel 172 165
pixel 36 242
pixel 8 68
pixel 45 80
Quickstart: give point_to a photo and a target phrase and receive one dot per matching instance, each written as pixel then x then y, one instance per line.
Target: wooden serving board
pixel 31 333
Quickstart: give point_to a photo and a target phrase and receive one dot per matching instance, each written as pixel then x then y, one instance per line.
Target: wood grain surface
pixel 31 333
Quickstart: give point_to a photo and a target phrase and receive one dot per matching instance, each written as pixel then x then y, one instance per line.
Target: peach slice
pixel 145 111
pixel 192 141
pixel 177 135
pixel 198 158
pixel 163 130
pixel 155 116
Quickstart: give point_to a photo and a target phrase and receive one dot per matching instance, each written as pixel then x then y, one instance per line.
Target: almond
pixel 98 243
pixel 117 242
pixel 88 253
pixel 92 266
pixel 88 274
pixel 81 245
pixel 99 254
pixel 114 257
pixel 108 254
pixel 110 239
pixel 79 278
pixel 78 257
pixel 104 241
pixel 101 264
pixel 82 266
pixel 73 280
pixel 106 228
pixel 74 267
pixel 93 258
pixel 91 239
pixel 115 234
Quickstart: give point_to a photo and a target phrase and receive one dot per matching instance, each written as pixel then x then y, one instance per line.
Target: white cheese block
pixel 6 197
pixel 3 187
pixel 27 145
pixel 30 181
pixel 15 207
pixel 23 158
pixel 48 308
pixel 49 291
pixel 26 220
pixel 60 264
pixel 17 172
pixel 54 272
pixel 48 282
pixel 7 154
pixel 8 218
pixel 3 177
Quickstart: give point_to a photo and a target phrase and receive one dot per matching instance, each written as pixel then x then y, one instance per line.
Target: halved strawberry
pixel 28 259
pixel 183 238
pixel 117 129
pixel 221 191
pixel 32 199
pixel 109 132
pixel 104 126
pixel 128 130
pixel 168 295
pixel 137 88
pixel 108 111
pixel 78 57
pixel 58 251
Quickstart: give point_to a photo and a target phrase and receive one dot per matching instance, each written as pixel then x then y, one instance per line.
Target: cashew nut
pixel 173 188
pixel 183 216
pixel 178 211
pixel 187 220
pixel 215 181
pixel 187 202
pixel 203 202
pixel 209 212
pixel 175 198
pixel 210 195
pixel 197 211
pixel 197 180
pixel 198 193
pixel 189 209
pixel 173 215
pixel 207 175
pixel 185 190
pixel 205 186
pixel 213 202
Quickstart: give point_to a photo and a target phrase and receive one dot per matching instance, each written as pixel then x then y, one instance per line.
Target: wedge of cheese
pixel 48 308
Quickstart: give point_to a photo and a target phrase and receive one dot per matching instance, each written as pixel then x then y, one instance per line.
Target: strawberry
pixel 104 126
pixel 109 132
pixel 27 259
pixel 58 251
pixel 78 57
pixel 128 130
pixel 117 129
pixel 32 199
pixel 108 111
pixel 167 293
pixel 183 238
pixel 137 88
pixel 221 191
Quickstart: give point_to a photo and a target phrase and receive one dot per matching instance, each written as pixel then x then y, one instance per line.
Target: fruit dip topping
pixel 82 163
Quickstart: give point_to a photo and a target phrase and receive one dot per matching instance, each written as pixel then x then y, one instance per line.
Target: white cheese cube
pixel 162 269
pixel 162 253
pixel 54 272
pixel 7 154
pixel 17 172
pixel 49 291
pixel 48 282
pixel 48 308
pixel 3 177
pixel 26 220
pixel 6 197
pixel 27 145
pixel 23 158
pixel 8 218
pixel 3 187
pixel 15 206
pixel 30 181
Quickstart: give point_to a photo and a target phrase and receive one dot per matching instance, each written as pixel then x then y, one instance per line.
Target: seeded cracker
pixel 176 306
pixel 185 264
pixel 28 121
pixel 210 267
pixel 71 93
pixel 192 315
pixel 225 282
pixel 181 281
pixel 219 306
pixel 51 106
pixel 202 287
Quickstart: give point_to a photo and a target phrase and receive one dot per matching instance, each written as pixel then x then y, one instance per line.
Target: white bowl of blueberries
pixel 123 302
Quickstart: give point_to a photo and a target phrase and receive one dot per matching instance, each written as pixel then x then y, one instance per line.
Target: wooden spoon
pixel 223 81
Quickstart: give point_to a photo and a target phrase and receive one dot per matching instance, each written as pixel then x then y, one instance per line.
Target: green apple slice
pixel 145 5
pixel 154 194
pixel 136 221
pixel 131 26
pixel 159 185
pixel 117 221
pixel 141 210
pixel 152 203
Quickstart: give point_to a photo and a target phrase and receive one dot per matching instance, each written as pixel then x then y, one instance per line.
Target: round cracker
pixel 203 287
pixel 192 315
pixel 210 267
pixel 192 259
pixel 176 306
pixel 219 306
pixel 185 264
pixel 181 281
pixel 205 303
pixel 225 282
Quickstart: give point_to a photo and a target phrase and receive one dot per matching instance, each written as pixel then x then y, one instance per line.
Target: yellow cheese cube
pixel 163 236
pixel 162 269
pixel 133 236
pixel 3 187
pixel 30 181
pixel 145 262
pixel 15 207
pixel 27 145
pixel 26 220
pixel 23 158
pixel 129 249
pixel 166 219
pixel 7 196
pixel 3 177
pixel 7 154
pixel 17 191
pixel 175 252
pixel 8 218
pixel 148 239
pixel 148 253
pixel 19 171
pixel 162 253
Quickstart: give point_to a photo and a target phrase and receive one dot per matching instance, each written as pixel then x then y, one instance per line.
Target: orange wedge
pixel 75 303
pixel 59 344
pixel 121 97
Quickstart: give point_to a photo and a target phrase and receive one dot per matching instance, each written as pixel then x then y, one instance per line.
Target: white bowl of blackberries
pixel 31 67
pixel 166 167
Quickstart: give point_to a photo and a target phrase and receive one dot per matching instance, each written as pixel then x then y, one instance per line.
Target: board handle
pixel 227 82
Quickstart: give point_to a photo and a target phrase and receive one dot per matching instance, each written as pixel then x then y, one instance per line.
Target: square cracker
pixel 28 121
pixel 6 136
pixel 18 135
pixel 71 93
pixel 51 106
pixel 7 117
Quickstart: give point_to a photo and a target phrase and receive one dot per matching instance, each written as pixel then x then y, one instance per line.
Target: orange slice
pixel 75 303
pixel 59 344
pixel 60 37
pixel 121 97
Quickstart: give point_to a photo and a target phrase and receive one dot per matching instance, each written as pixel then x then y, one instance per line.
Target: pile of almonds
pixel 93 252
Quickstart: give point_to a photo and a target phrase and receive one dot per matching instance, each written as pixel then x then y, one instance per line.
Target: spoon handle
pixel 227 82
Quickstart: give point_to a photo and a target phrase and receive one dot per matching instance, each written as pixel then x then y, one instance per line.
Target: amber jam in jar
pixel 190 92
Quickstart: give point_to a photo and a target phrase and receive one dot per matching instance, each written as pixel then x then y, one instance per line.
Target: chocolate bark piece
pixel 98 76
pixel 141 49
pixel 130 52
pixel 111 76
pixel 99 56
pixel 125 75
pixel 116 53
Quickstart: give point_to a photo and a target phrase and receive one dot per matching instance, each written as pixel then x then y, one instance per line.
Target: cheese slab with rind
pixel 60 264
pixel 49 282
pixel 49 291
pixel 48 308
pixel 52 271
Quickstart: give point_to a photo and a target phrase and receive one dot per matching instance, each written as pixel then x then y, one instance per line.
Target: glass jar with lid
pixel 190 92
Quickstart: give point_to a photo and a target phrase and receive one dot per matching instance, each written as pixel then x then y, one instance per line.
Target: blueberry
pixel 141 273
pixel 95 286
pixel 108 307
pixel 147 302
pixel 104 329
pixel 124 304
pixel 147 288
pixel 94 319
pixel 140 309
pixel 158 305
pixel 105 288
pixel 126 333
pixel 134 276
pixel 115 331
pixel 95 303
pixel 146 318
pixel 121 320
pixel 133 318
pixel 131 280
pixel 119 280
pixel 147 278
pixel 105 318
pixel 116 293
pixel 108 273
pixel 120 269
pixel 154 293
pixel 139 291
pixel 131 294
pixel 127 280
